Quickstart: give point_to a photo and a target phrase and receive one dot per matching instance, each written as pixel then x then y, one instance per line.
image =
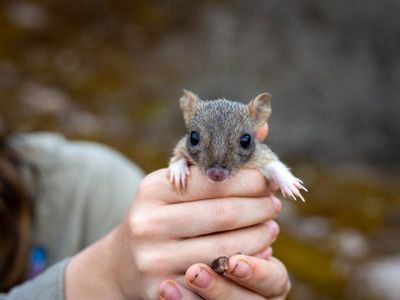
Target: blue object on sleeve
pixel 37 261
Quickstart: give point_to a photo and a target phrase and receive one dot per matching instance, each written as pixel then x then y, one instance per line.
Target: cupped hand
pixel 262 132
pixel 247 277
pixel 165 233
pixel 168 231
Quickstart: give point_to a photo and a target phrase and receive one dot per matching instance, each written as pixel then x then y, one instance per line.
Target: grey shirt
pixel 81 191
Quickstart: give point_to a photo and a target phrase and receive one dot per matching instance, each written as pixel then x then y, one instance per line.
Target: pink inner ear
pixel 188 103
pixel 260 109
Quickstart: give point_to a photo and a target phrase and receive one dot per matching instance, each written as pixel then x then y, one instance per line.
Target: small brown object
pixel 220 264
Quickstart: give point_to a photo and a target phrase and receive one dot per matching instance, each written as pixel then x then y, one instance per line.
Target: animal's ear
pixel 188 103
pixel 260 109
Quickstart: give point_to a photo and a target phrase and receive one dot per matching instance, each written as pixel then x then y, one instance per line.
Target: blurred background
pixel 113 71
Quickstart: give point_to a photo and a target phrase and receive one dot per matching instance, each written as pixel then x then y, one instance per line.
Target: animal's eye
pixel 194 138
pixel 245 140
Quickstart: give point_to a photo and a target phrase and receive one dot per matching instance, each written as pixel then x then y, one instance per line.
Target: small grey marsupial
pixel 221 139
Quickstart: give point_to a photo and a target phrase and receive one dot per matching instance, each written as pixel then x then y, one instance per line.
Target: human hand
pixel 170 231
pixel 247 277
pixel 262 132
pixel 166 232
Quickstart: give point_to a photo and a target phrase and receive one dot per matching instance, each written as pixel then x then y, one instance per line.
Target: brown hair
pixel 16 214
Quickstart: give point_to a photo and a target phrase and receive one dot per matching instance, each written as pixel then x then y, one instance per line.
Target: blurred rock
pixel 349 243
pixel 26 14
pixel 82 123
pixel 379 279
pixel 116 125
pixel 66 61
pixel 314 227
pixel 305 228
pixel 8 73
pixel 44 99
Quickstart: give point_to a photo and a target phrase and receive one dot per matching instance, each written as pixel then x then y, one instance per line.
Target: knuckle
pixel 145 186
pixel 227 215
pixel 224 247
pixel 261 237
pixel 140 225
pixel 149 261
pixel 271 206
pixel 266 209
pixel 143 261
pixel 152 182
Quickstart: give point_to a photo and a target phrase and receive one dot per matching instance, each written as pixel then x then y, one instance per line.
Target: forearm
pixel 97 271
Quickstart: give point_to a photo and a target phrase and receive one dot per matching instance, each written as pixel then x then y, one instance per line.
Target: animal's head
pixel 221 133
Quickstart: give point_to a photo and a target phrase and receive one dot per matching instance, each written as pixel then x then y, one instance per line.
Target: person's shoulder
pixel 48 149
pixel 85 186
pixel 39 147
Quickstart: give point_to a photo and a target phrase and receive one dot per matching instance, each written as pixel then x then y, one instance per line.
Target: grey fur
pixel 216 148
pixel 220 124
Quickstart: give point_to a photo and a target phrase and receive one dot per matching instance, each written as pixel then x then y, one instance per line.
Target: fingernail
pixel 273 228
pixel 169 291
pixel 202 279
pixel 241 269
pixel 277 204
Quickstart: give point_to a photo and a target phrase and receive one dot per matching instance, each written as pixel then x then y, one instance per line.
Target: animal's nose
pixel 217 173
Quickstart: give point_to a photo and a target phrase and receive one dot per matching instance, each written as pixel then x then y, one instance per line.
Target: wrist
pixel 101 270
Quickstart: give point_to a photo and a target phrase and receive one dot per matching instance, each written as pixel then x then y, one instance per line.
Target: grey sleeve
pixel 82 190
pixel 46 286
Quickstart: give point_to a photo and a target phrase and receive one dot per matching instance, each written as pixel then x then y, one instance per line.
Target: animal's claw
pixel 290 190
pixel 288 184
pixel 178 172
pixel 299 184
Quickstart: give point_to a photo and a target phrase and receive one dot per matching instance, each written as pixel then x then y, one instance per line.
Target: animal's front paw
pixel 178 172
pixel 288 184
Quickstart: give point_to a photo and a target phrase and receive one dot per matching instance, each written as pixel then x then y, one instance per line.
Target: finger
pixel 250 240
pixel 273 186
pixel 201 279
pixel 265 254
pixel 188 219
pixel 262 132
pixel 174 257
pixel 172 290
pixel 246 183
pixel 267 277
